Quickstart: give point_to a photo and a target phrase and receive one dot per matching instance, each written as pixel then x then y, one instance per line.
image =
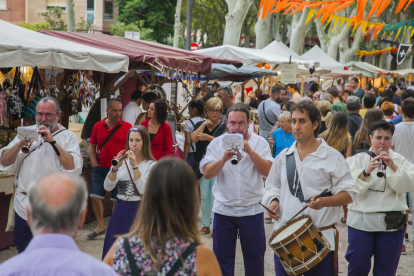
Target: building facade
pixel 101 13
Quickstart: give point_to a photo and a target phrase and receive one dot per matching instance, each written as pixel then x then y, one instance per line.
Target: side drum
pixel 299 245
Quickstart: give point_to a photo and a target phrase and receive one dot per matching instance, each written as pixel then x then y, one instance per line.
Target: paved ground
pixel 94 248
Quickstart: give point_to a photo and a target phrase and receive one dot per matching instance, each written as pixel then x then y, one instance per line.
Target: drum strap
pixel 293 177
pixel 335 264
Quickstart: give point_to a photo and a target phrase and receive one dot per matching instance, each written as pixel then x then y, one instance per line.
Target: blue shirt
pixel 282 140
pixel 54 254
pixel 396 120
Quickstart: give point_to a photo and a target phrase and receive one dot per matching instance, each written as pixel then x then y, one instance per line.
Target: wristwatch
pixel 365 174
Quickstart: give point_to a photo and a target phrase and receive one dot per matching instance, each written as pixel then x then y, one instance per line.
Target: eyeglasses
pixel 214 111
pixel 47 115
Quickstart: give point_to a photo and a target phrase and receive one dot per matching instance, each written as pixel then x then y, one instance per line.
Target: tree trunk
pixel 347 53
pixel 299 29
pixel 177 24
pixel 275 24
pixel 234 20
pixel 70 9
pixel 262 30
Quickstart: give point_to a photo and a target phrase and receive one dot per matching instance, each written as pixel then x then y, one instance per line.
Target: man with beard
pixel 269 110
pixel 56 150
pixel 237 191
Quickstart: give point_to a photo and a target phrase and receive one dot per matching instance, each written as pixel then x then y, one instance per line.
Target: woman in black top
pixel 203 134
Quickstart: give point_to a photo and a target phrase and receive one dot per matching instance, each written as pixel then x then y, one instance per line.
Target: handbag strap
pixel 219 126
pixel 132 264
pixel 42 144
pixel 264 113
pixel 192 146
pixel 179 263
pixel 110 136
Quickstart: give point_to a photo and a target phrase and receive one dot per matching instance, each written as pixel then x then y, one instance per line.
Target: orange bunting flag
pixel 400 5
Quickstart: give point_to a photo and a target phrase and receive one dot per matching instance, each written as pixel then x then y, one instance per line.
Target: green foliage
pixel 119 29
pixel 54 17
pixel 84 26
pixel 162 10
pixel 35 27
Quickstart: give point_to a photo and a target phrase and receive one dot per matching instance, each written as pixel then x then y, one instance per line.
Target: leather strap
pixel 293 177
pixel 108 138
pixel 190 249
pixel 335 264
pixel 132 179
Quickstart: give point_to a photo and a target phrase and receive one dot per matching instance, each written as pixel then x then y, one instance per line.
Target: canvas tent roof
pixel 274 53
pixel 146 54
pixel 366 69
pixel 325 61
pixel 403 72
pixel 23 47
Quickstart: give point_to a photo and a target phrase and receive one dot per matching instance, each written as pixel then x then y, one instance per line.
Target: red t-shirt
pixel 117 142
pixel 162 144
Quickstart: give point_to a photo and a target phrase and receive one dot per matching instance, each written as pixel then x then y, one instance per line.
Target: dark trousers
pixel 324 268
pixel 252 239
pixel 384 246
pixel 22 233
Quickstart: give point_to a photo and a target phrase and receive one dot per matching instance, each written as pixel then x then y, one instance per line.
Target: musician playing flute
pixel 57 149
pixel 237 193
pixel 376 219
pixel 303 171
pixel 132 169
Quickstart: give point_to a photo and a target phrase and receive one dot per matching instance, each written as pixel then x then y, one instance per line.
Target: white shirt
pixel 122 175
pixel 365 209
pixel 40 162
pixel 296 97
pixel 238 188
pixel 402 140
pixel 323 169
pixel 189 127
pixel 131 112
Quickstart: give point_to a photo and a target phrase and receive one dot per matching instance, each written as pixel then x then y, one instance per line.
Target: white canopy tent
pixel 325 61
pixel 23 47
pixel 366 69
pixel 403 72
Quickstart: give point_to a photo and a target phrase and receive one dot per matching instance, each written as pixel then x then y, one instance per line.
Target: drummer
pixel 317 167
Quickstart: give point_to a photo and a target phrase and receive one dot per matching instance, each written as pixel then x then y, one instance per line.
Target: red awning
pixel 145 54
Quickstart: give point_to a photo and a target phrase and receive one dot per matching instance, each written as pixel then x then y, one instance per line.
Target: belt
pixel 335 264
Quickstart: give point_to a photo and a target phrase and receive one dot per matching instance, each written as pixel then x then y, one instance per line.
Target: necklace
pixel 284 136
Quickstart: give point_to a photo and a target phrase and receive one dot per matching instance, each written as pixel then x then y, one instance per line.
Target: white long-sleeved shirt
pixel 364 213
pixel 238 188
pixel 40 162
pixel 144 167
pixel 323 169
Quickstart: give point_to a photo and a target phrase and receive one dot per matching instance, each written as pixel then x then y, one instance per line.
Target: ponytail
pixel 328 118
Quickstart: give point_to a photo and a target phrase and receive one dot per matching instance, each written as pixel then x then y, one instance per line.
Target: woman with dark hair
pixel 362 140
pixel 346 93
pixel 376 93
pixel 159 131
pixel 164 238
pixel 313 89
pixel 196 111
pixel 131 176
pixel 285 106
pixel 146 98
pixel 293 90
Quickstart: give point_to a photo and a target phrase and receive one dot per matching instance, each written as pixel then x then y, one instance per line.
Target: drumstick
pixel 304 208
pixel 267 209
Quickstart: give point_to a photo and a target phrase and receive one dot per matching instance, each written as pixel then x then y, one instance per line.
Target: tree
pixel 177 24
pixel 161 10
pixel 54 17
pixel 70 8
pixel 234 20
pixel 299 30
pixel 120 28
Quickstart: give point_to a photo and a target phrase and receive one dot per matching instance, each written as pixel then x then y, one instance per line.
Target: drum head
pixel 289 230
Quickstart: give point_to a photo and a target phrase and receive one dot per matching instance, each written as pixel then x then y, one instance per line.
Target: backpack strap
pixel 132 264
pixel 108 138
pixel 293 177
pixel 264 113
pixel 179 263
pixel 192 147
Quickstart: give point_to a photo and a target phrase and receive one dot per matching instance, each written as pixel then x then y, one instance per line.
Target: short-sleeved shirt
pixel 402 140
pixel 360 94
pixel 354 123
pixel 282 140
pixel 201 146
pixel 117 142
pixel 340 106
pixel 189 127
pixel 271 109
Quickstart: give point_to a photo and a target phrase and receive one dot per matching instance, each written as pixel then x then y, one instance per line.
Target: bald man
pixel 56 211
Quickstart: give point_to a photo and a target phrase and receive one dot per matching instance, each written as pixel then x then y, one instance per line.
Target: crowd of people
pixel 346 147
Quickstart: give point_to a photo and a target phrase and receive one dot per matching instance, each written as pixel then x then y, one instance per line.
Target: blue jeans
pixel 98 178
pixel 207 199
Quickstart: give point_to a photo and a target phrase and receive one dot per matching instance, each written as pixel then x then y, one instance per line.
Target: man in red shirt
pixel 101 155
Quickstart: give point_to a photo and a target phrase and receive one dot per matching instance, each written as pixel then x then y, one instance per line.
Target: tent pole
pixel 302 86
pixel 130 73
pixel 140 79
pixel 196 94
